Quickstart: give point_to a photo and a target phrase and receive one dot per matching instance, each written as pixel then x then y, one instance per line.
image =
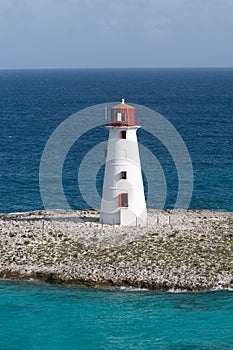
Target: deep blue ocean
pixel 198 103
pixel 33 103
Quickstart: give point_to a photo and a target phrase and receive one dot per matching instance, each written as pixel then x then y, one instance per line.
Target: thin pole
pixel 106 114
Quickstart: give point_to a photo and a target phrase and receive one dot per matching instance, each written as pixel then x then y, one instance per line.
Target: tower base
pixel 124 217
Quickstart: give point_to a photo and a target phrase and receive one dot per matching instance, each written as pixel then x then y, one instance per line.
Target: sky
pixel 115 33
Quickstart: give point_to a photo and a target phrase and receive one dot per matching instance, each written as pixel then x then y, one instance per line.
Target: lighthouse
pixel 123 200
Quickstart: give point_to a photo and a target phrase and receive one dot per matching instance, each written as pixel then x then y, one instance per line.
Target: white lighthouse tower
pixel 123 200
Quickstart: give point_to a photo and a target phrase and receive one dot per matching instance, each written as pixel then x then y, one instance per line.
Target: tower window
pixel 124 175
pixel 123 134
pixel 123 200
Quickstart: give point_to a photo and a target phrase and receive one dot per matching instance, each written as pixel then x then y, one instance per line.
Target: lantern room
pixel 122 115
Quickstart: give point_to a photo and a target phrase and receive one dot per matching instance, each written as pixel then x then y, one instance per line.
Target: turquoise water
pixel 198 102
pixel 39 316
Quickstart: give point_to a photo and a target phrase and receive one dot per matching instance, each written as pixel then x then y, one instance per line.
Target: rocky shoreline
pixel 178 249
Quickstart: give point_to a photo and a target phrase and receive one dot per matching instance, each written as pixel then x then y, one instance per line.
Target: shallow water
pixel 40 316
pixel 198 102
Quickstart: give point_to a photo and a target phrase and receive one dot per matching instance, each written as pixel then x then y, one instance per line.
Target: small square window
pixel 124 175
pixel 123 200
pixel 123 134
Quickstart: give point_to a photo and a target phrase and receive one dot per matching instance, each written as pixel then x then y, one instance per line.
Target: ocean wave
pixel 221 288
pixel 131 289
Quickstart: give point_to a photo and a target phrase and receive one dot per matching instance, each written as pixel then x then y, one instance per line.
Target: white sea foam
pixel 132 289
pixel 177 290
pixel 221 288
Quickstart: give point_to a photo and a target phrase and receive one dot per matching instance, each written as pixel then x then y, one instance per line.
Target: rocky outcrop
pixel 181 249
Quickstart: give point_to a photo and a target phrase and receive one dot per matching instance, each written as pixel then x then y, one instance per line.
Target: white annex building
pixel 123 200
